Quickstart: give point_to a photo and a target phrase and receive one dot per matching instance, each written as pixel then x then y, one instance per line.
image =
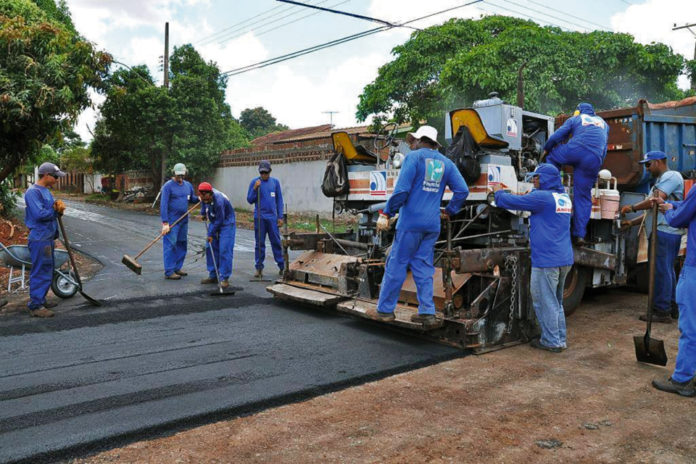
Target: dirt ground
pixel 590 404
pixel 16 234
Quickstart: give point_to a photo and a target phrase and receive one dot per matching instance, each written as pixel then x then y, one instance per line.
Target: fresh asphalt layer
pixel 164 355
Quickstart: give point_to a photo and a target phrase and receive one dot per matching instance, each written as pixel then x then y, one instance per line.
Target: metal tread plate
pixel 303 295
pixel 368 310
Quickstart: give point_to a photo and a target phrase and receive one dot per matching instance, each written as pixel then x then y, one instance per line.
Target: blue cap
pixel 52 169
pixel 652 156
pixel 265 166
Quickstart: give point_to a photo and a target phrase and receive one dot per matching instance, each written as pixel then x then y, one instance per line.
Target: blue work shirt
pixel 175 200
pixel 671 183
pixel 39 215
pixel 418 192
pixel 219 212
pixel 271 201
pixel 549 224
pixel 684 215
pixel 585 130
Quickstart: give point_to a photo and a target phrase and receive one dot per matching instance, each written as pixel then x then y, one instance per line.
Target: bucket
pixel 609 204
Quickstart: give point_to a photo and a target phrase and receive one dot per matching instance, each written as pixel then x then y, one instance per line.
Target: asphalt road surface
pixel 163 355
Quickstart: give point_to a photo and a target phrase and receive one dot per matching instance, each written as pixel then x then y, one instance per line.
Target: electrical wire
pixel 519 13
pixel 568 14
pixel 359 35
pixel 259 34
pixel 584 28
pixel 213 37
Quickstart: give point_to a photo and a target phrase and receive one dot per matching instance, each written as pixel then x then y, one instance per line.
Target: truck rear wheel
pixel 574 288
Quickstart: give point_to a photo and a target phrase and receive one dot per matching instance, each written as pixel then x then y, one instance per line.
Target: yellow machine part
pixel 343 144
pixel 471 119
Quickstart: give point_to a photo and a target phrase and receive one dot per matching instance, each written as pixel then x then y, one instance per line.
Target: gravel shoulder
pixel 591 403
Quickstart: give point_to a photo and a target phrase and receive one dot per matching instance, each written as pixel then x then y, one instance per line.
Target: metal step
pixel 303 295
pixel 368 310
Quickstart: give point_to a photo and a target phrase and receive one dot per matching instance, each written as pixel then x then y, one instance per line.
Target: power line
pixel 524 15
pixel 346 13
pixel 584 28
pixel 568 14
pixel 306 51
pixel 212 37
pixel 275 28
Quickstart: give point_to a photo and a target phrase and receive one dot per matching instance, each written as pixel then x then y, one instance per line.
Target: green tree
pixel 190 123
pixel 258 122
pixel 460 61
pixel 46 69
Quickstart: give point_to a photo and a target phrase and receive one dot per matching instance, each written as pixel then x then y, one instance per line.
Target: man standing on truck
pixel 40 217
pixel 552 252
pixel 682 380
pixel 585 135
pixel 417 197
pixel 668 185
pixel 265 193
pixel 177 193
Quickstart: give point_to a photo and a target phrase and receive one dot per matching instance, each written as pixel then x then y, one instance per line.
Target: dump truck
pixel 482 258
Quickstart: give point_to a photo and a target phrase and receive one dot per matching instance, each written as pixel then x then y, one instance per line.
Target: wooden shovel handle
pixel 149 245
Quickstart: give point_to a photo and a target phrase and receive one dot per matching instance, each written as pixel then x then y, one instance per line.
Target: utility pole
pixel 165 84
pixel 689 26
pixel 330 113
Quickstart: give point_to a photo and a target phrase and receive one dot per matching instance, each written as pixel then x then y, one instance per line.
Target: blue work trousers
pixel 174 248
pixel 665 277
pixel 268 227
pixel 414 250
pixel 41 252
pixel 223 247
pixel 547 298
pixel 586 166
pixel 685 367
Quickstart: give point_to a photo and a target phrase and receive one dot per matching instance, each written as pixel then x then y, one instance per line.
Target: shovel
pixel 650 350
pixel 221 291
pixel 132 263
pixel 72 263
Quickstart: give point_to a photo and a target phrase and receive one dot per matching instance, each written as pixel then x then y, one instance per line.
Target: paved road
pixel 165 354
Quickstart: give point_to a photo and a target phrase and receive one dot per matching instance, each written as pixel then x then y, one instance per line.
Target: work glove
pixel 626 209
pixel 280 223
pixel 625 225
pixel 165 228
pixel 59 207
pixel 257 183
pixel 210 239
pixel 382 223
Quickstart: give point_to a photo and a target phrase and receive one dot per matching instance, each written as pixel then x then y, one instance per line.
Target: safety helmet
pixel 205 187
pixel 179 169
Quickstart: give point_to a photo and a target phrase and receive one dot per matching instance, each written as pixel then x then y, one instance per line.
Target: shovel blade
pixel 132 264
pixel 650 350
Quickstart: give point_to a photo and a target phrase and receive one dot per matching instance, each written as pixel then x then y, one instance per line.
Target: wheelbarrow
pixel 64 284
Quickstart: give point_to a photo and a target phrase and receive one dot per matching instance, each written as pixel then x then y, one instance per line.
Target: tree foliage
pixel 46 69
pixel 190 123
pixel 259 121
pixel 460 61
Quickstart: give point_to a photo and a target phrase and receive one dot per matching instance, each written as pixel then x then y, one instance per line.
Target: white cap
pixel 429 132
pixel 179 169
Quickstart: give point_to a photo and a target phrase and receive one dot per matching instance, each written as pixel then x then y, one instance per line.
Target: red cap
pixel 205 187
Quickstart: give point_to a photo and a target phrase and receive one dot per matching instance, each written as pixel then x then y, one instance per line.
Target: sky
pixel 300 92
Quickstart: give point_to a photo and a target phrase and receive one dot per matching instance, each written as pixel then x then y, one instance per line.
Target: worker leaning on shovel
pixel 40 218
pixel 265 193
pixel 683 379
pixel 177 193
pixel 217 210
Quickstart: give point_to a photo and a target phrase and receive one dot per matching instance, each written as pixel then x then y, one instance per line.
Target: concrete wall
pixel 300 181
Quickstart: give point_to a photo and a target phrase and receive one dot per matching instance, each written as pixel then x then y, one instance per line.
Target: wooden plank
pixel 368 310
pixel 302 295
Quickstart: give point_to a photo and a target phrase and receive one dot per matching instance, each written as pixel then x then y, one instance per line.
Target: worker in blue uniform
pixel 176 196
pixel 552 251
pixel 217 209
pixel 682 381
pixel 265 193
pixel 585 135
pixel 40 218
pixel 417 197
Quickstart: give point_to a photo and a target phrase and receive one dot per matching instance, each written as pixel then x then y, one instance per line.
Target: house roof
pixel 291 134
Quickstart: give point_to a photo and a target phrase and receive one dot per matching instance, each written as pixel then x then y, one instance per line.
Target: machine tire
pixel 61 287
pixel 574 289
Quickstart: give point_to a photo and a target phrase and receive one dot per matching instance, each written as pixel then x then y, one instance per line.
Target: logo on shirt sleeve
pixel 434 172
pixel 563 203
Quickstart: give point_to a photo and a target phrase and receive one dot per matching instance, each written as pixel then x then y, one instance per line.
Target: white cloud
pixel 88 118
pixel 653 20
pixel 242 51
pixel 298 100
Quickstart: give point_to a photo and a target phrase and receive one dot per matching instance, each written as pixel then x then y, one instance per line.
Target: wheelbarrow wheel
pixel 62 287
